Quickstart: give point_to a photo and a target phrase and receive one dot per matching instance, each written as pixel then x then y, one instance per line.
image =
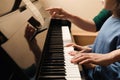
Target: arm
pixel 98 59
pixel 90 25
pixel 85 24
pixel 81 23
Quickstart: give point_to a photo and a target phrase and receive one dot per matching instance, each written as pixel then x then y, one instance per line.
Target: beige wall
pixel 84 8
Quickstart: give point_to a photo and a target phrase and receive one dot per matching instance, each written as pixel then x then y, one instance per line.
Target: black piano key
pixel 56 46
pixel 54 51
pixel 55 36
pixel 55 58
pixel 54 54
pixel 52 77
pixel 52 67
pixel 54 61
pixel 53 64
pixel 61 73
pixel 51 49
pixel 53 42
pixel 49 70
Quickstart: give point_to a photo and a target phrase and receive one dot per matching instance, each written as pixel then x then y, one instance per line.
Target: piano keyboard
pixel 56 64
pixel 72 70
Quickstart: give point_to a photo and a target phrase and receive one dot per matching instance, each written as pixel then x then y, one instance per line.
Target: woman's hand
pixel 92 58
pixel 78 49
pixel 58 13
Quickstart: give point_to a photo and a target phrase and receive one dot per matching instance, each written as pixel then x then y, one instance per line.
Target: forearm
pixel 82 23
pixel 115 55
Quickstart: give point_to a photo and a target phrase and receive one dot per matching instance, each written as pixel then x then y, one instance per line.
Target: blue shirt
pixel 107 40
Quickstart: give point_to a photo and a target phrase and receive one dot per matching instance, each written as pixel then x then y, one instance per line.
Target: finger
pixel 72 53
pixel 58 16
pixel 85 61
pixel 53 14
pixel 68 45
pixel 48 9
pixel 51 9
pixel 82 51
pixel 79 58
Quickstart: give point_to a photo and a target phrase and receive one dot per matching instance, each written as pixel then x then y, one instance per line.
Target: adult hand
pixel 79 49
pixel 92 58
pixel 58 13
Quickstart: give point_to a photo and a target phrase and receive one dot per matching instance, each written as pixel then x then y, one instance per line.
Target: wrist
pixel 69 16
pixel 115 56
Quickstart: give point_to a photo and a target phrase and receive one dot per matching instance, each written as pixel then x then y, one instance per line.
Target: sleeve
pixel 111 72
pixel 101 18
pixel 118 43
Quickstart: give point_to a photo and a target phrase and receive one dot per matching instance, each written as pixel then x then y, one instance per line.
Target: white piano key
pixel 72 70
pixel 73 79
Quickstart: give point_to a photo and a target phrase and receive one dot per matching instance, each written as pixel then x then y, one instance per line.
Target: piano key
pixel 62 73
pixel 54 64
pixel 47 69
pixel 52 77
pixel 53 67
pixel 72 70
pixel 56 46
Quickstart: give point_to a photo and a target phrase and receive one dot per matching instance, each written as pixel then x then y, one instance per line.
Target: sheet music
pixel 35 11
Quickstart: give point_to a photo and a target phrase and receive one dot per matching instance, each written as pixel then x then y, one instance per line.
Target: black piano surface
pixel 9 70
pixel 51 66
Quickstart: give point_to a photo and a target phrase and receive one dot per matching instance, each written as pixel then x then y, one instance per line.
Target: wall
pixel 77 7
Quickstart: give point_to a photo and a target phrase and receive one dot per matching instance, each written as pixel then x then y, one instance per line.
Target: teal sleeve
pixel 101 18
